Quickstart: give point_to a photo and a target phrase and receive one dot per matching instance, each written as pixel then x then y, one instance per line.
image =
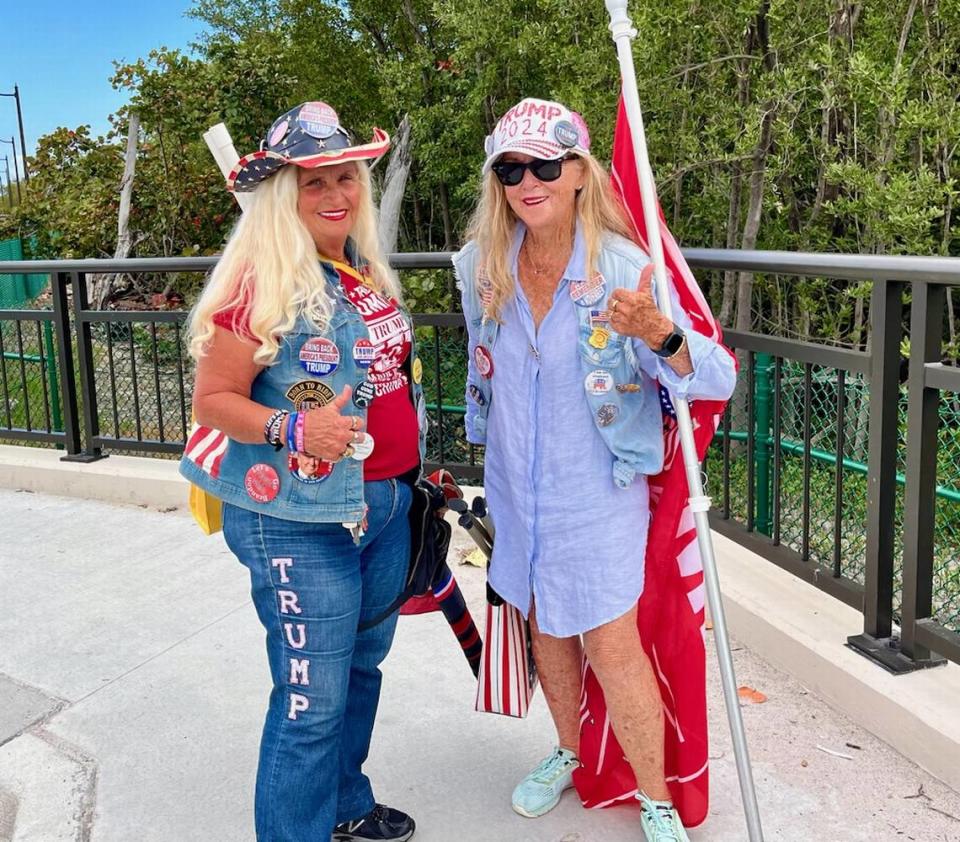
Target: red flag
pixel 671 609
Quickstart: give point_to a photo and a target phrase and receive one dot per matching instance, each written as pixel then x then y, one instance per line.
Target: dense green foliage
pixel 789 124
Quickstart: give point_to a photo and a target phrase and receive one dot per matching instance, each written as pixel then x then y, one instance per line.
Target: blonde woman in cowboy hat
pixel 306 367
pixel 566 342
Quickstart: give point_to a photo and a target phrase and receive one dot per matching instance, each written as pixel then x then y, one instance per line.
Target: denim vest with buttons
pixel 636 437
pixel 339 497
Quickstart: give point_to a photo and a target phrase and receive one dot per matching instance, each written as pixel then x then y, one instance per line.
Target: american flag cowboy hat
pixel 309 136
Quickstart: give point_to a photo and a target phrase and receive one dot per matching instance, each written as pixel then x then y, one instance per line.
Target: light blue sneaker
pixel 660 821
pixel 540 791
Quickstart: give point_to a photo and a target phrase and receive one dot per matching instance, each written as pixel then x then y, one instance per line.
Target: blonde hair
pixel 269 270
pixel 493 225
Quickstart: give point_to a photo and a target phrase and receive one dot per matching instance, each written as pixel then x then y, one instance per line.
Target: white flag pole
pixel 220 145
pixel 623 35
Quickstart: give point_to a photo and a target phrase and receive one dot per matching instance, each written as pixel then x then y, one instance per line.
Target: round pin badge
pixel 476 395
pixel 278 132
pixel 309 394
pixel 363 352
pixel 364 393
pixel 598 382
pixel 566 134
pixel 262 482
pixel 588 293
pixel 628 388
pixel 484 362
pixel 607 414
pixel 309 469
pixel 318 120
pixel 319 355
pixel 363 448
pixel 417 370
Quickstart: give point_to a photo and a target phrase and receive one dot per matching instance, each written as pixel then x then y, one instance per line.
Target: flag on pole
pixel 671 608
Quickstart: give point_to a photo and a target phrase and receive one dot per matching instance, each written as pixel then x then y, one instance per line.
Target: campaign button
pixel 607 414
pixel 279 132
pixel 363 448
pixel 566 133
pixel 476 395
pixel 588 293
pixel 364 393
pixel 484 361
pixel 417 370
pixel 318 120
pixel 598 382
pixel 319 355
pixel 628 388
pixel 307 468
pixel 261 482
pixel 363 353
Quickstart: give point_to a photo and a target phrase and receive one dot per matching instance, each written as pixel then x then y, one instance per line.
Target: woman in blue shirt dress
pixel 566 343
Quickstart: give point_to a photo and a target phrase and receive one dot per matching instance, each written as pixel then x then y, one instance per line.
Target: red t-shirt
pixel 391 416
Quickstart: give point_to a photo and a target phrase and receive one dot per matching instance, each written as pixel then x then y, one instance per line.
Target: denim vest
pixel 623 399
pixel 338 498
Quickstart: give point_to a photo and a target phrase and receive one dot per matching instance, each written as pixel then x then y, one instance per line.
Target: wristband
pixel 291 421
pixel 298 432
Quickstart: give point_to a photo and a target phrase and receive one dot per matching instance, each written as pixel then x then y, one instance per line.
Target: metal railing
pixel 805 471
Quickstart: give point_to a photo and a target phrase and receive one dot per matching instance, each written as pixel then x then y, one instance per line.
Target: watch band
pixel 673 344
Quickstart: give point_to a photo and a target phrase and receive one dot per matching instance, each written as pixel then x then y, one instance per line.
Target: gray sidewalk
pixel 133 682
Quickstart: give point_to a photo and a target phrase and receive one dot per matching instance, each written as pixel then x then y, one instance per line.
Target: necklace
pixel 540 271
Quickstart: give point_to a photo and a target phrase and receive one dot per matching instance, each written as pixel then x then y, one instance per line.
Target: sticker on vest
pixel 417 370
pixel 484 361
pixel 599 338
pixel 307 468
pixel 607 414
pixel 363 394
pixel 628 388
pixel 262 482
pixel 476 395
pixel 588 293
pixel 363 353
pixel 319 356
pixel 363 448
pixel 309 394
pixel 598 382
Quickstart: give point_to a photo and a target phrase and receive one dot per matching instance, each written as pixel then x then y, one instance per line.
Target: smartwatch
pixel 671 346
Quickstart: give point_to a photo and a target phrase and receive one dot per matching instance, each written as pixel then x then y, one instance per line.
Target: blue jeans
pixel 311 586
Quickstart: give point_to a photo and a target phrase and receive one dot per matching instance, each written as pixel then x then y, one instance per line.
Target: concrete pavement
pixel 133 683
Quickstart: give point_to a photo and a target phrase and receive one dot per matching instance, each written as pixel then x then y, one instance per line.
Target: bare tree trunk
pixel 751 227
pixel 103 285
pixel 394 183
pixel 445 213
pixel 733 226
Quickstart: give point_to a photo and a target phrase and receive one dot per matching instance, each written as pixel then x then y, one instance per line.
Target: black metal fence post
pixel 88 377
pixel 923 419
pixel 876 642
pixel 68 385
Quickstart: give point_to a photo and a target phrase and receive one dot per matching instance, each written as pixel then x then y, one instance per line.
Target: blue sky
pixel 60 54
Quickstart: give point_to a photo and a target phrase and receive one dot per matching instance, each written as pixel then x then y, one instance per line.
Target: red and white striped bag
pixel 508 675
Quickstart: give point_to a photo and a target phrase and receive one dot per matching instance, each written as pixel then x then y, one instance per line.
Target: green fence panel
pixel 16 290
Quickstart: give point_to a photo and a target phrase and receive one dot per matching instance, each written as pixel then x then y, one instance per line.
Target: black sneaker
pixel 380 824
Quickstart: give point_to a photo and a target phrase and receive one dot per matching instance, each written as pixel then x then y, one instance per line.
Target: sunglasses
pixel 510 173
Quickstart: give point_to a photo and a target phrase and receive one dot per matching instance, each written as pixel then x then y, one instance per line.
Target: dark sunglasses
pixel 510 173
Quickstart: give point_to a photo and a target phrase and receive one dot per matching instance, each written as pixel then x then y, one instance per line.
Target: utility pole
pixel 23 142
pixel 6 161
pixel 16 171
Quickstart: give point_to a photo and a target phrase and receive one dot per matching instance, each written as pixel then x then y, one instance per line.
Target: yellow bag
pixel 206 509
